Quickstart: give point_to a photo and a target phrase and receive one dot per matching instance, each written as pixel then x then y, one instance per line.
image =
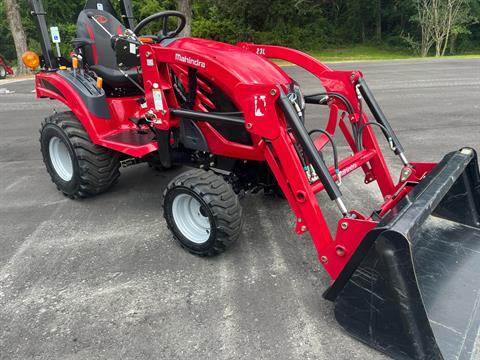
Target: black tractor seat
pixel 98 54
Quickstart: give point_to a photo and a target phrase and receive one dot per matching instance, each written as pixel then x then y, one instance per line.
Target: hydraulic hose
pixel 311 151
pixel 385 130
pixel 312 99
pixel 334 148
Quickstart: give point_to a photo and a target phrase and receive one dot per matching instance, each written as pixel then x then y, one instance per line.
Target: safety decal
pixel 260 105
pixel 157 99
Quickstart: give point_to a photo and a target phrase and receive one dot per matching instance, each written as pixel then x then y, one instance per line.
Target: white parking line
pixel 5 82
pixel 6 91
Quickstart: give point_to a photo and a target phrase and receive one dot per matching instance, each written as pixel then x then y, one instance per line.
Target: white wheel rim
pixel 60 158
pixel 3 71
pixel 188 217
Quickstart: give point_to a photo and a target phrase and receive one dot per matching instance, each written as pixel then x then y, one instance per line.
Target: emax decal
pixel 348 169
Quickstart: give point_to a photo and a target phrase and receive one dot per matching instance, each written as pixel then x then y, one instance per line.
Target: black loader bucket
pixel 412 288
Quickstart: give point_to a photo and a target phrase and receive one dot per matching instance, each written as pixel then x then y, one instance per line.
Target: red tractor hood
pixel 246 66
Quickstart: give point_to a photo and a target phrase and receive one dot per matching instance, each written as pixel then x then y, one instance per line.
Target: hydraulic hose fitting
pixel 357 90
pixel 392 144
pixel 339 176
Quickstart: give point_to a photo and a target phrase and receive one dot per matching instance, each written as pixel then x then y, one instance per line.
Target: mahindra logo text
pixel 190 61
pixel 348 169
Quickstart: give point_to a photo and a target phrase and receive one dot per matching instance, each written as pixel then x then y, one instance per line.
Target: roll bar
pixel 38 12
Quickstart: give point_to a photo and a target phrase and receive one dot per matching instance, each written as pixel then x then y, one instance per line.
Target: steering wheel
pixel 164 33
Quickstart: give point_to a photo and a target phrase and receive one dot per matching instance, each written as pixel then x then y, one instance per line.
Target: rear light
pixel 146 40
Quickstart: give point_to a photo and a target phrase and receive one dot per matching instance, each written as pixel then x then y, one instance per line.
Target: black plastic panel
pixel 93 97
pixel 191 136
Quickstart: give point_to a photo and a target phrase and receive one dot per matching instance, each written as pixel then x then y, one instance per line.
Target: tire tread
pixel 222 201
pixel 99 166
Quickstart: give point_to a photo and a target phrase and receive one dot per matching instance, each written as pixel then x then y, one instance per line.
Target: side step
pixel 131 137
pixel 131 142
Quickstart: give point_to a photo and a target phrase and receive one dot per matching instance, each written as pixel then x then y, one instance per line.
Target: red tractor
pixel 404 278
pixel 4 69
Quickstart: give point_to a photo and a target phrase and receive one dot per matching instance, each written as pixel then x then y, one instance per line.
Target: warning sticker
pixel 157 99
pixel 133 48
pixel 260 105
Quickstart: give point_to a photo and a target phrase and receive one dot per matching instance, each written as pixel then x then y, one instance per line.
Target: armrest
pixel 81 42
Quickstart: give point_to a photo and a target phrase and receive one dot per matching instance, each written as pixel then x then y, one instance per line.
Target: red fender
pixel 53 86
pixel 100 129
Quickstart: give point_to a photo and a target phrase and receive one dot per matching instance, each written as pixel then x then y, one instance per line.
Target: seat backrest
pixel 101 52
pixel 104 5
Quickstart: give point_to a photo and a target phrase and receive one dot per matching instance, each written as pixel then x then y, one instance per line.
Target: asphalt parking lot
pixel 102 277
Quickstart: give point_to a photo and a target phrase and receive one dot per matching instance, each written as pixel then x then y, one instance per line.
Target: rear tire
pixel 203 212
pixel 78 167
pixel 3 72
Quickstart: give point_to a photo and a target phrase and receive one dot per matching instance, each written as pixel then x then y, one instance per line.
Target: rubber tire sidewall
pixel 168 202
pixel 4 72
pixel 48 132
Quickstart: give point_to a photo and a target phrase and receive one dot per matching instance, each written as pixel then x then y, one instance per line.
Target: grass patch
pixel 371 53
pixel 364 53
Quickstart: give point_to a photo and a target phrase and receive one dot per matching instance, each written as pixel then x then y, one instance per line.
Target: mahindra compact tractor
pixel 4 68
pixel 404 278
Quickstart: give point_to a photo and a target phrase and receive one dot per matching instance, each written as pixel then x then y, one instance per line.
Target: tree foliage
pixel 302 24
pixel 439 20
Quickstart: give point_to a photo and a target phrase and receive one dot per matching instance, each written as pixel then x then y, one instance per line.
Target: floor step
pixel 132 137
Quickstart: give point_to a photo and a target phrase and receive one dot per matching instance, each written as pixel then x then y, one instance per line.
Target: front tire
pixel 203 212
pixel 78 167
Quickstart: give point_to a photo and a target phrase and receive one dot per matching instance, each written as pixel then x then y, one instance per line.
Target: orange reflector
pixel 146 40
pixel 74 63
pixel 31 60
pixel 99 82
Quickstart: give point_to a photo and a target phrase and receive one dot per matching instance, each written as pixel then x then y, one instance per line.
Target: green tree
pixel 302 24
pixel 18 33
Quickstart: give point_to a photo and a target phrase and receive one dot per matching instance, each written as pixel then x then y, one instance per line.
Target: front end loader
pixel 404 278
